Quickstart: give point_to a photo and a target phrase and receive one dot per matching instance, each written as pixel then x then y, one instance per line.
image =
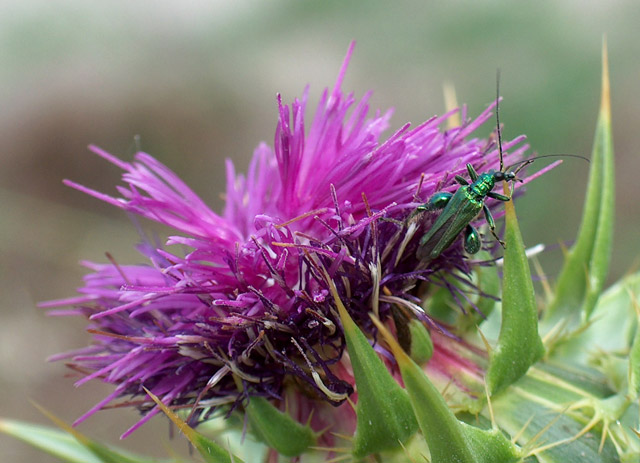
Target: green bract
pixel 277 429
pixel 587 263
pixel 519 345
pixel 385 416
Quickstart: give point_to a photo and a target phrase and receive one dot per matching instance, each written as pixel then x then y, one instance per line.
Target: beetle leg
pixel 498 196
pixel 472 173
pixel 472 241
pixel 461 180
pixel 492 224
pixel 437 201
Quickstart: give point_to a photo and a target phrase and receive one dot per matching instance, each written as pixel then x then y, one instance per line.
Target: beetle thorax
pixel 483 185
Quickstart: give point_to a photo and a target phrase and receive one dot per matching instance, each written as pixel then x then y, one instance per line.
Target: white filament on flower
pixel 415 308
pixel 316 377
pixel 376 271
pixel 411 230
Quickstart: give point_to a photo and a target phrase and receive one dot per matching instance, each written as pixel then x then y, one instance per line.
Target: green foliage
pixel 548 430
pixel 585 269
pixel 68 444
pixel 519 345
pixel 278 430
pixel 210 451
pixel 385 418
pixel 421 343
pixel 50 440
pixel 634 365
pixel 448 438
pixel 612 330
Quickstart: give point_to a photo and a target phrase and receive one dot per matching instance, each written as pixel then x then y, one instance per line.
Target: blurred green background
pixel 197 81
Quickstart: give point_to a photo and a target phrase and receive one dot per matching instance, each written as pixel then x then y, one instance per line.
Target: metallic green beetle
pixel 460 208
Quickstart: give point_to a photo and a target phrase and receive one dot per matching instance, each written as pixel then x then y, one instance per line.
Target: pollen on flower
pixel 248 304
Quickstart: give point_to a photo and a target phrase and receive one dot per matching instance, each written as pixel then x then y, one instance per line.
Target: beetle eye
pixel 499 175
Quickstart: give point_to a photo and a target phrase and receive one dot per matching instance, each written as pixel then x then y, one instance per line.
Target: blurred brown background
pixel 196 80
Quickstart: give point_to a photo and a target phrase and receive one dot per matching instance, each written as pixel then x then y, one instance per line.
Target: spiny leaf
pixel 585 269
pixel 421 343
pixel 208 449
pixel 50 440
pixel 385 418
pixel 548 433
pixel 68 443
pixel 613 327
pixel 519 345
pixel 634 356
pixel 278 430
pixel 449 439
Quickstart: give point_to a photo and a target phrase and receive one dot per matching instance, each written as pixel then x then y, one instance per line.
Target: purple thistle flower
pixel 249 303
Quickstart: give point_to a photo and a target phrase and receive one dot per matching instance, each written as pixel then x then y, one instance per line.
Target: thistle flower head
pixel 246 310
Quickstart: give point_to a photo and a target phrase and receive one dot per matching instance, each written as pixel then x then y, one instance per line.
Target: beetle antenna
pixel 520 167
pixel 522 164
pixel 498 118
